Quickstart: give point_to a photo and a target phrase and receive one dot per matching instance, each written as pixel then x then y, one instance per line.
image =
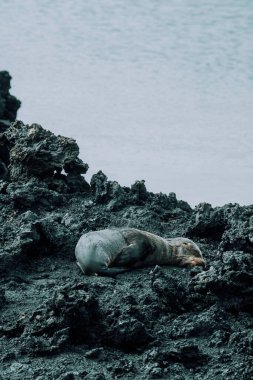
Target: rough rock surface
pixel 152 323
pixel 35 157
pixel 9 105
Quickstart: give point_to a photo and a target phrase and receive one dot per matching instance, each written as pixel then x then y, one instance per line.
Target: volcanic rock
pixel 150 323
pixel 9 105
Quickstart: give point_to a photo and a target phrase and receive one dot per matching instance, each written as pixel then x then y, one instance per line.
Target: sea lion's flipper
pixel 131 254
pixel 78 264
pixel 104 271
pixel 85 271
pixel 110 272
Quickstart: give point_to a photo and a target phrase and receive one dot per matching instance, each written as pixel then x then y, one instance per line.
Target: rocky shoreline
pixel 153 323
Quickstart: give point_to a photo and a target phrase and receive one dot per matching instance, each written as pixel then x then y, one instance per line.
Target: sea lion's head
pixel 186 252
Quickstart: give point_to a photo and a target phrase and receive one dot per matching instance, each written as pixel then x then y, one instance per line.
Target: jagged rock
pixel 98 186
pixel 29 238
pixel 138 192
pixel 189 355
pixel 231 225
pixel 68 184
pixel 4 157
pixel 201 325
pixel 239 232
pixel 40 235
pixel 167 208
pixel 77 184
pixel 9 105
pixel 219 338
pixel 116 197
pixel 242 341
pixel 127 333
pixel 31 151
pixel 3 170
pixel 172 295
pixel 4 124
pixel 117 194
pixel 67 318
pixel 36 151
pixel 3 186
pixel 123 368
pixel 107 191
pixel 230 280
pixel 207 222
pixel 69 376
pixel 167 202
pixel 2 297
pixel 32 195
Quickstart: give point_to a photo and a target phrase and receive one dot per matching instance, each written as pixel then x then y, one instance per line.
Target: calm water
pixel 160 90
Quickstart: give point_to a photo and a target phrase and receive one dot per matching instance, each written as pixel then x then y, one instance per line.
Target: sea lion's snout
pixel 193 261
pixel 189 254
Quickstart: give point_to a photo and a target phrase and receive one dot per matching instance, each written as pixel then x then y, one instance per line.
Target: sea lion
pixel 112 251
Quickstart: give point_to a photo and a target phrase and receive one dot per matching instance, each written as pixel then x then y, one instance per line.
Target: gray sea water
pixel 160 90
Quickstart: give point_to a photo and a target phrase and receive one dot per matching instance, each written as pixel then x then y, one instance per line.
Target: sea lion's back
pixel 103 242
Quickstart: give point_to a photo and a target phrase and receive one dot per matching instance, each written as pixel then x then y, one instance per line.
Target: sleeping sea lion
pixel 112 251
